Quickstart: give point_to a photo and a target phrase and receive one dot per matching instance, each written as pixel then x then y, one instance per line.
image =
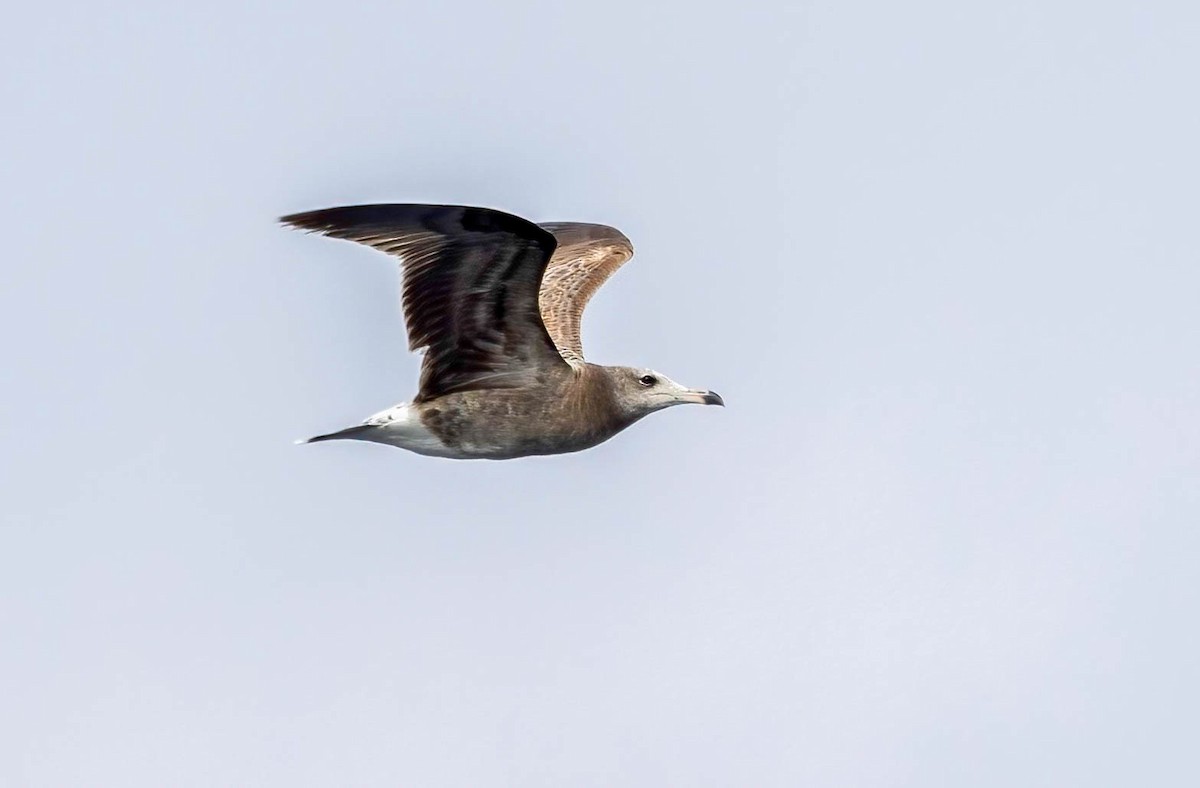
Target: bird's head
pixel 642 391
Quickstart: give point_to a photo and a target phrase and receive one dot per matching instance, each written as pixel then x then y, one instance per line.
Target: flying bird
pixel 495 302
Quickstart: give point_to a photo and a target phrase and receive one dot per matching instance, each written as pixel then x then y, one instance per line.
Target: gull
pixel 495 302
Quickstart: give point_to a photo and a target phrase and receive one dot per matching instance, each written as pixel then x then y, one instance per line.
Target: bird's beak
pixel 702 398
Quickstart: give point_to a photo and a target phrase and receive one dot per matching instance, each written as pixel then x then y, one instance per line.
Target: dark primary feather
pixel 470 293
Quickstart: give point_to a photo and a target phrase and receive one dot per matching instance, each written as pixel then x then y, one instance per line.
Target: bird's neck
pixel 594 399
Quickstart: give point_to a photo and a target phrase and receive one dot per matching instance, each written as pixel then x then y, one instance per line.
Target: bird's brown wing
pixel 586 256
pixel 470 290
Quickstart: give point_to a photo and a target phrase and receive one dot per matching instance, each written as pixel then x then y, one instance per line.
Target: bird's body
pixel 495 302
pixel 568 414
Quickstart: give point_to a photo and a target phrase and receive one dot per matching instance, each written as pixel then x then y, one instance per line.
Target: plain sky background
pixel 939 257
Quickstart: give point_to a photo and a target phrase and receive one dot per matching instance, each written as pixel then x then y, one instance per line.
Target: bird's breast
pixel 516 423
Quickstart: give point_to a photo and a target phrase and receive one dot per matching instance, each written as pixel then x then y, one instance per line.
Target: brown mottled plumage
pixel 586 256
pixel 495 302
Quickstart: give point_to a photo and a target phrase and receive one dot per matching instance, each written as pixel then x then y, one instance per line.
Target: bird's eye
pixel 647 380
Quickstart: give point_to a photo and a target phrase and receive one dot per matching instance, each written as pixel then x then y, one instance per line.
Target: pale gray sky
pixel 940 259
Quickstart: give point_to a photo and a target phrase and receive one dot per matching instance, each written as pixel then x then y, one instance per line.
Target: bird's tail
pixel 356 432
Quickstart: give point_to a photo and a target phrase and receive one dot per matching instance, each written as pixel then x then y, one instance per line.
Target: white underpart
pixel 401 426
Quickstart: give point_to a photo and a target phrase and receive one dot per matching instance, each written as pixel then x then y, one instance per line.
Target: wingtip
pixel 299 221
pixel 330 220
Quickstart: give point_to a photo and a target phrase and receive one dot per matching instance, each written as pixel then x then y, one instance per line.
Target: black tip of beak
pixel 713 398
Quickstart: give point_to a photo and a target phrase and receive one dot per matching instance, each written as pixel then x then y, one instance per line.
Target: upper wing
pixel 470 289
pixel 586 256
